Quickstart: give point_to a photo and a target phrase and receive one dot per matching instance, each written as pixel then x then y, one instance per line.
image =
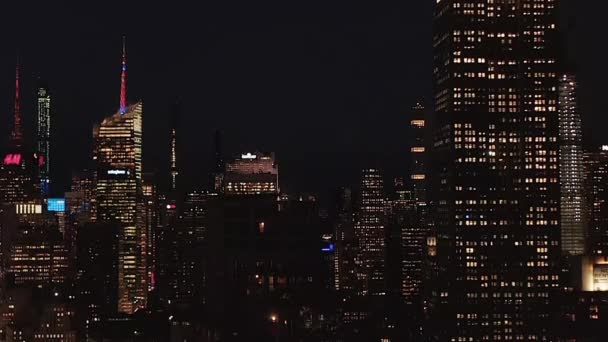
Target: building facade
pixel 43 141
pixel 252 174
pixel 571 168
pixel 495 169
pixel 596 200
pixel 370 233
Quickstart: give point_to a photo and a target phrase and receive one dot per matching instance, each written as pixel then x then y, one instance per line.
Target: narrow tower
pixel 44 137
pixel 174 171
pixel 123 78
pixel 17 134
pixel 571 168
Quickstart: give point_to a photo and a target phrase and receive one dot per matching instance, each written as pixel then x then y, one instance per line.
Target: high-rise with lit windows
pixel 118 153
pixel 370 233
pixel 43 142
pixel 418 149
pixel 252 174
pixel 596 200
pixel 571 168
pixel 495 172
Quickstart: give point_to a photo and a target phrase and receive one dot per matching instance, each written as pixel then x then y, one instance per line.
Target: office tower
pixel 174 171
pixel 38 257
pixel 418 153
pixel 81 199
pixel 180 264
pixel 150 222
pixel 56 324
pixel 96 280
pixel 370 233
pixel 596 200
pixel 16 178
pixel 252 174
pixel 571 168
pixel 495 169
pixel 43 143
pixel 346 244
pixel 218 162
pixel 262 262
pixel 118 151
pixel 411 209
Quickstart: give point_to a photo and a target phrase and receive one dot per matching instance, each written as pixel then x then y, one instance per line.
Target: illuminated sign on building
pixel 248 156
pixel 118 172
pixel 56 204
pixel 12 159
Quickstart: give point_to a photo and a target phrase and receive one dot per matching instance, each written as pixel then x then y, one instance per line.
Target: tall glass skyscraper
pixel 571 168
pixel 118 153
pixel 495 169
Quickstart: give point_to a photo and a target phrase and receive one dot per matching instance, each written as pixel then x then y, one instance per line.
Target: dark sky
pixel 327 86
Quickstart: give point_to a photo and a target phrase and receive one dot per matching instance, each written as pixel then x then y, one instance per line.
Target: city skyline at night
pixel 425 171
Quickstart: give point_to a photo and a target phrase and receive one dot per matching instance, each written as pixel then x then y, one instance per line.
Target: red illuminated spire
pixel 17 135
pixel 123 78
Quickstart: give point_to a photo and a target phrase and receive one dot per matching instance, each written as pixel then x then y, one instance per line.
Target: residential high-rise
pixel 495 169
pixel 252 174
pixel 118 153
pixel 571 168
pixel 16 177
pixel 370 233
pixel 596 200
pixel 43 142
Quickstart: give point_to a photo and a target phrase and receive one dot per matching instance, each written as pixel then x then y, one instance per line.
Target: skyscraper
pixel 418 150
pixel 118 150
pixel 16 176
pixel 43 143
pixel 370 233
pixel 412 209
pixel 495 170
pixel 571 168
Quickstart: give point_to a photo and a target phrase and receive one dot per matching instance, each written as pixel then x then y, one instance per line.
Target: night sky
pixel 328 86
